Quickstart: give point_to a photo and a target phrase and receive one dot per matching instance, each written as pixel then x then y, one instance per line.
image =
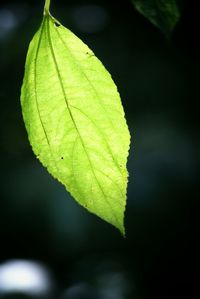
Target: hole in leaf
pixel 56 24
pixel 89 54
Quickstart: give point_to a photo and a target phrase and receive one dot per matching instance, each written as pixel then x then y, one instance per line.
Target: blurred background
pixel 50 247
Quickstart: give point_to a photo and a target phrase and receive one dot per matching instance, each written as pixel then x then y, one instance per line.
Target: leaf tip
pixel 123 232
pixel 121 227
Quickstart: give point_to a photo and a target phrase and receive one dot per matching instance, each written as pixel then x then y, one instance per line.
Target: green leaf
pixel 162 13
pixel 75 121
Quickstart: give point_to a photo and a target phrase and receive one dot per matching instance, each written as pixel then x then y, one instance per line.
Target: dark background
pixel 159 85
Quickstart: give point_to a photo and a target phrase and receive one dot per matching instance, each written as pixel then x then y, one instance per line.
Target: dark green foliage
pixel 162 13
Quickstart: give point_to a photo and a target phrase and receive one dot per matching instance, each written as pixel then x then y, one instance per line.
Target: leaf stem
pixel 46 7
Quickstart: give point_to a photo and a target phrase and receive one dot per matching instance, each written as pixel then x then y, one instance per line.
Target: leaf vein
pixel 89 81
pixel 71 115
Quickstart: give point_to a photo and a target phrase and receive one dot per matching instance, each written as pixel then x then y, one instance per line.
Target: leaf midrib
pixel 47 19
pixel 97 96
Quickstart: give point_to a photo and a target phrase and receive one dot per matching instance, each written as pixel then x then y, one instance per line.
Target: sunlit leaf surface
pixel 75 120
